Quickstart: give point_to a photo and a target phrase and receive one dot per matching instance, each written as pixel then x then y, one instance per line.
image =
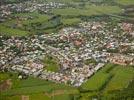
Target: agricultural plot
pixel 34 88
pixel 71 21
pixel 121 79
pixel 37 88
pixel 125 2
pixel 39 19
pixel 10 31
pixel 97 80
pixel 88 11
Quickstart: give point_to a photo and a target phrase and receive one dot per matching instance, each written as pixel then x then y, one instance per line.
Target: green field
pixel 101 82
pixel 125 2
pixel 32 87
pixel 97 80
pixel 76 10
pixel 121 76
pixel 71 21
pixel 88 11
pixel 12 32
pixel 121 79
pixel 51 64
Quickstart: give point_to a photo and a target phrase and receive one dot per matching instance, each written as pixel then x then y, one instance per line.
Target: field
pixel 98 80
pixel 38 23
pixel 71 21
pixel 108 79
pixel 34 88
pixel 51 64
pixel 12 32
pixel 88 11
pixel 125 2
pixel 95 82
pixel 119 77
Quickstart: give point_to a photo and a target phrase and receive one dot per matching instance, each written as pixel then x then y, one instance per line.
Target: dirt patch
pixel 24 97
pixel 7 84
pixel 56 92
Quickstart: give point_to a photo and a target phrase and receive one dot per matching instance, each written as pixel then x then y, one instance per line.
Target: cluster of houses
pixel 29 6
pixel 72 46
pixel 121 59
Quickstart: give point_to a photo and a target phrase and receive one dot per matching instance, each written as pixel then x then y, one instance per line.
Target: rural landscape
pixel 66 49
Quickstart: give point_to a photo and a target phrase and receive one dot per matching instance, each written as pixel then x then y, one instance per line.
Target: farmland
pixel 88 11
pixel 125 2
pixel 120 78
pixel 24 23
pixel 37 88
pixel 33 87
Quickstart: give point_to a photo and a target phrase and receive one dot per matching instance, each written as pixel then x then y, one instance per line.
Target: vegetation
pixel 125 2
pixel 88 11
pixel 51 64
pixel 10 31
pixel 32 87
pixel 113 81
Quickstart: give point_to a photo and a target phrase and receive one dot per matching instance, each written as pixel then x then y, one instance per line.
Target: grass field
pixel 37 88
pixel 71 21
pixel 37 19
pixel 51 64
pixel 121 79
pixel 125 2
pixel 97 80
pixel 33 87
pixel 88 11
pixel 10 31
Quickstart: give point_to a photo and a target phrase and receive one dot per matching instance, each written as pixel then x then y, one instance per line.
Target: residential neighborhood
pixel 72 47
pixel 66 49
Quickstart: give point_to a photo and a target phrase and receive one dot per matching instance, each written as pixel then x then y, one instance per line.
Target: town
pixel 80 51
pixel 66 49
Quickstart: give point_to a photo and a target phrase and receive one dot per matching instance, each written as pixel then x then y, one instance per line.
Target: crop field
pixel 88 11
pixel 125 2
pixel 71 21
pixel 23 24
pixel 12 32
pixel 121 79
pixel 97 80
pixel 37 88
pixel 33 87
